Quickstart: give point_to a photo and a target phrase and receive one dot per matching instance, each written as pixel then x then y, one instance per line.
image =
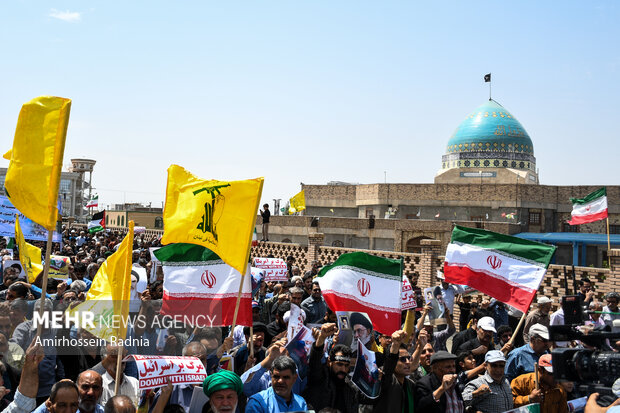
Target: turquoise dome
pixel 490 137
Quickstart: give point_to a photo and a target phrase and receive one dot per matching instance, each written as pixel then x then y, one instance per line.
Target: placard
pixel 31 230
pixel 155 371
pixel 275 268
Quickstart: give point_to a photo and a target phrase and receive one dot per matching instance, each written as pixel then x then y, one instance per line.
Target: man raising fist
pixel 435 392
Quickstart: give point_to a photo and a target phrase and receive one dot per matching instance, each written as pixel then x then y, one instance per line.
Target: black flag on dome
pixel 487 77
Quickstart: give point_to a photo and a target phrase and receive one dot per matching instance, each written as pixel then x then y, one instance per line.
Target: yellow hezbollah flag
pixel 298 202
pixel 29 255
pixel 218 215
pixel 108 296
pixel 33 176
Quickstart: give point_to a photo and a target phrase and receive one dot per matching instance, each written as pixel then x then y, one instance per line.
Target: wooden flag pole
pixel 124 312
pixel 119 360
pixel 234 323
pixel 536 379
pixel 251 341
pixel 608 243
pixel 46 269
pixel 514 334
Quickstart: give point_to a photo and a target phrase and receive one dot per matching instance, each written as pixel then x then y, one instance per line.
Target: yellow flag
pixel 108 296
pixel 218 215
pixel 297 203
pixel 33 177
pixel 29 255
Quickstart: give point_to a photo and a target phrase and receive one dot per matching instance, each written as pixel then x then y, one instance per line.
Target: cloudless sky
pixel 311 91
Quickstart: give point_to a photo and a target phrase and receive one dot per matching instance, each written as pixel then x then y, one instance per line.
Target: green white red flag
pixel 509 269
pixel 198 284
pixel 366 283
pixel 589 209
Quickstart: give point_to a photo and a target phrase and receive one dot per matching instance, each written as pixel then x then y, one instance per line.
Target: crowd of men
pixel 424 367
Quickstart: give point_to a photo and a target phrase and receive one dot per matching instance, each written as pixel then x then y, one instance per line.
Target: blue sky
pixel 311 91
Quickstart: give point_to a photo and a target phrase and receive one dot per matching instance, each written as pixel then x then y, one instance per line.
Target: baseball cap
pixel 546 362
pixel 493 356
pixel 544 300
pixel 487 324
pixel 539 330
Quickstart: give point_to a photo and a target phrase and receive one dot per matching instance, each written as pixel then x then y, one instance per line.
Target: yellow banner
pixel 297 203
pixel 218 215
pixel 33 177
pixel 29 255
pixel 108 296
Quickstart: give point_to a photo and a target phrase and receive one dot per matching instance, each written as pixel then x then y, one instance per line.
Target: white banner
pixel 275 268
pixel 407 295
pixel 155 371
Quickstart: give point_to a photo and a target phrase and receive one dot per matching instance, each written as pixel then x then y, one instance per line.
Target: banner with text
pixel 31 230
pixel 155 371
pixel 275 268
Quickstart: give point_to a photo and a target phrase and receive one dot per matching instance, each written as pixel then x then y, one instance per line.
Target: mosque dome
pixel 490 137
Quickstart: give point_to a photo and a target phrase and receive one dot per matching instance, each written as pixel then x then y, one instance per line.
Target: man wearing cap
pixel 223 390
pixel 549 394
pixel 482 343
pixel 521 360
pixel 490 393
pixel 436 391
pixel 538 316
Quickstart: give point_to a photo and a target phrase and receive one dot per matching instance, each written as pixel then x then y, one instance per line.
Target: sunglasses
pixel 404 359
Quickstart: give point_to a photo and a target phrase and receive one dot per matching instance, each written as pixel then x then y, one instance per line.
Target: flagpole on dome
pixel 487 79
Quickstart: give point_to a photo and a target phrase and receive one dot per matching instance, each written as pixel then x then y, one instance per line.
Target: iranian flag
pixel 93 203
pixel 199 285
pixel 97 223
pixel 589 209
pixel 507 268
pixel 366 283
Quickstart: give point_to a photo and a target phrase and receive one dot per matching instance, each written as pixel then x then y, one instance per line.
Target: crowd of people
pixel 424 367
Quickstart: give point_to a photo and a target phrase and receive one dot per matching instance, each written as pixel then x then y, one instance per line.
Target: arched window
pixel 159 222
pixel 337 243
pixel 288 241
pixel 413 245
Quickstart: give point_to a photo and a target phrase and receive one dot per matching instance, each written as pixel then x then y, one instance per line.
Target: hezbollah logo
pixel 213 209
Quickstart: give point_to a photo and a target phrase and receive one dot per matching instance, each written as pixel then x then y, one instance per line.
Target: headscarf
pixel 223 379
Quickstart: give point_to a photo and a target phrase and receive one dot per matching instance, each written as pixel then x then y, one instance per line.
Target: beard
pixel 87 405
pixel 223 409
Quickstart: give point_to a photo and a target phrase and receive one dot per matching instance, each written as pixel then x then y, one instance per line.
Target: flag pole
pixel 46 269
pixel 514 334
pixel 251 341
pixel 608 243
pixel 247 259
pixel 124 304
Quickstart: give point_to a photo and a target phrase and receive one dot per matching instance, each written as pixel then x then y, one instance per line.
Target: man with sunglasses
pixel 612 307
pixel 521 360
pixel 490 393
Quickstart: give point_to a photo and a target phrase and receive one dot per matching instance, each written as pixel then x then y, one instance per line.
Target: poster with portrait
pixel 353 326
pixel 433 297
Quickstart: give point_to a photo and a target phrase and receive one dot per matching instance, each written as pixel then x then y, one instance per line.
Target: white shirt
pixel 129 388
pixel 450 293
pixel 557 319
